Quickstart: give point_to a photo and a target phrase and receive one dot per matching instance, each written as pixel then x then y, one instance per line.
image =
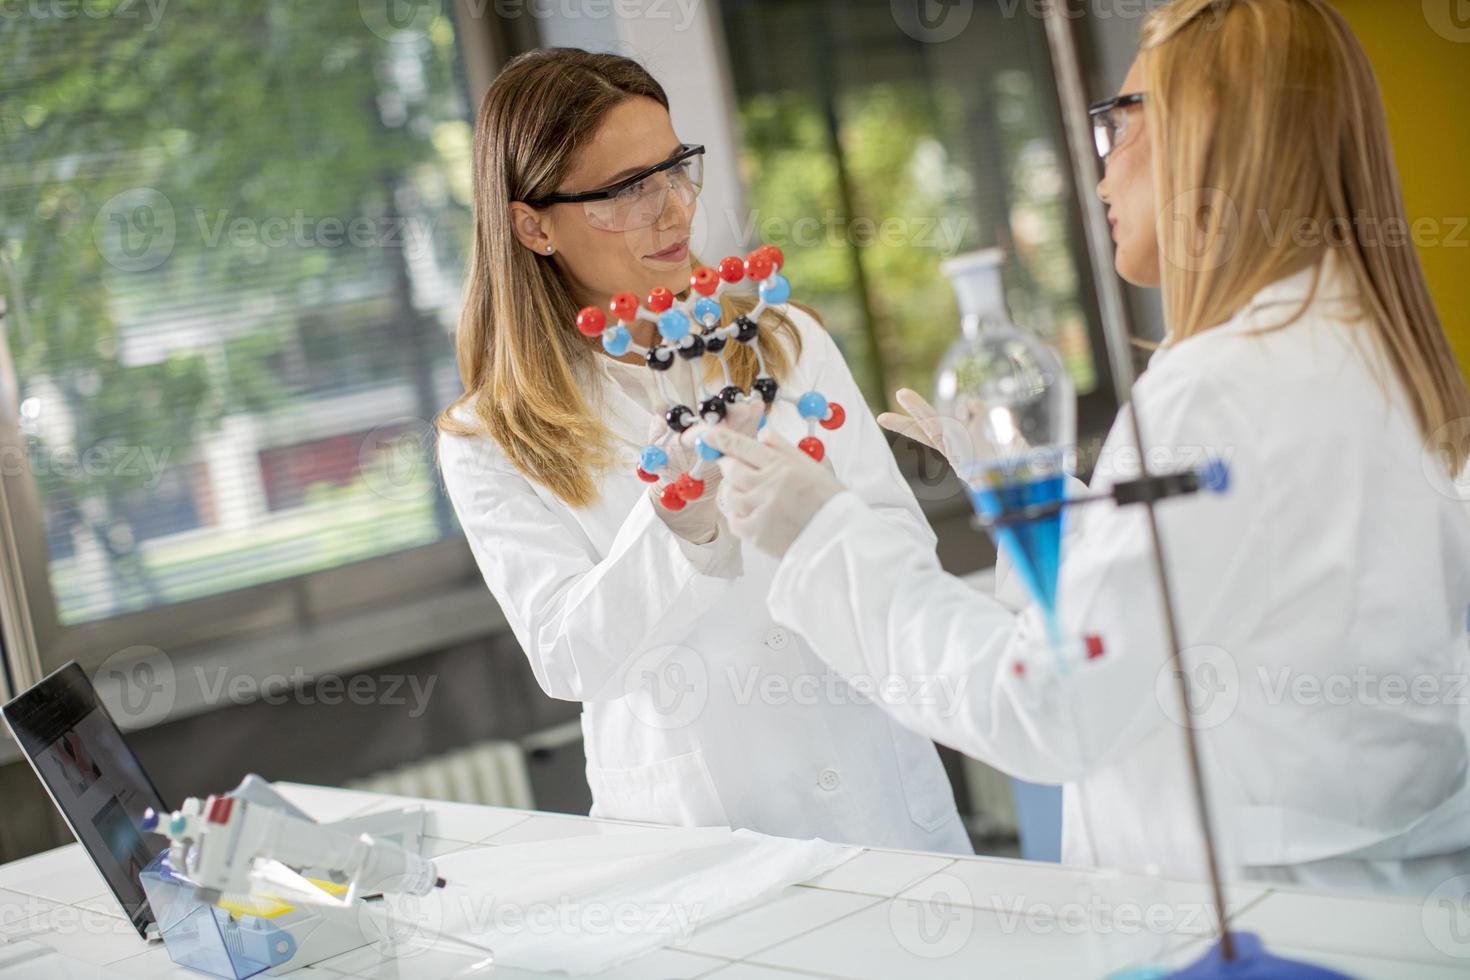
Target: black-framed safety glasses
pixel 1110 121
pixel 638 200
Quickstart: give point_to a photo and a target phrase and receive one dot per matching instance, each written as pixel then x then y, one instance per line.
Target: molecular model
pixel 676 321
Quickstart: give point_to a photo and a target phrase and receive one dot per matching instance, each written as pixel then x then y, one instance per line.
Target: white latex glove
pixel 698 521
pixel 772 489
pixel 923 424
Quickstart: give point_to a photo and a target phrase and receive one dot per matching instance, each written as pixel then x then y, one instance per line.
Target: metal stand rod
pixel 1074 104
pixel 1123 493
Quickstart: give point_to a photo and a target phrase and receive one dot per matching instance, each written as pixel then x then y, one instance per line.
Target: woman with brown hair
pixel 1322 601
pixel 697 708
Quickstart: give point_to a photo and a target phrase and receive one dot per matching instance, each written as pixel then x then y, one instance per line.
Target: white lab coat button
pixel 828 779
pixel 777 639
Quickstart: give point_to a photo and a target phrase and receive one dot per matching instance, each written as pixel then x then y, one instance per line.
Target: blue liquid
pixel 1034 547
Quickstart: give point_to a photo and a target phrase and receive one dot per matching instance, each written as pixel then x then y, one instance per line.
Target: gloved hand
pixel 698 521
pixel 772 489
pixel 923 424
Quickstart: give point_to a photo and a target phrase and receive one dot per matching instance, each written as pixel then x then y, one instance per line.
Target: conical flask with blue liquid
pixel 1009 413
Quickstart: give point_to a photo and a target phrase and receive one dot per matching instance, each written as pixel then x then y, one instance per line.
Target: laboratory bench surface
pixel 884 915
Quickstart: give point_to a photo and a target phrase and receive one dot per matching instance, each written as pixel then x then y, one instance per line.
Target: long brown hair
pixel 521 359
pixel 1266 112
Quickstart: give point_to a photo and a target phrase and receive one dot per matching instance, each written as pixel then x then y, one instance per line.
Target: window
pixel 231 244
pixel 875 145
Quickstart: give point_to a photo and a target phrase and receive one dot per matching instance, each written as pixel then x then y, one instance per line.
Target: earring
pixel 548 250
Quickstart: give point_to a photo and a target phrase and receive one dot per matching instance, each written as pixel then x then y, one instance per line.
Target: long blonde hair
pixel 521 359
pixel 1262 113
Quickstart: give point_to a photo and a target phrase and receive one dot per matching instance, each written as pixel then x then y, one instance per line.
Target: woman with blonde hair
pixel 1321 602
pixel 697 708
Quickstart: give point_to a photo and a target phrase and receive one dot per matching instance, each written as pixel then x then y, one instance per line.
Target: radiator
pixel 491 773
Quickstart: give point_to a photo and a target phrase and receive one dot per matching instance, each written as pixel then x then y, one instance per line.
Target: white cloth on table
pixel 584 904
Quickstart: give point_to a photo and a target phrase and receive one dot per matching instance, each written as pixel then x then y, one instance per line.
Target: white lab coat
pixel 697 708
pixel 1332 578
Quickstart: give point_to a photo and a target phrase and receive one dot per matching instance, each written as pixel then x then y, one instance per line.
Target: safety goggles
pixel 1110 121
pixel 638 200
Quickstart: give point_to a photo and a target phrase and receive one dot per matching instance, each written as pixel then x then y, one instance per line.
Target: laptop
pixel 94 779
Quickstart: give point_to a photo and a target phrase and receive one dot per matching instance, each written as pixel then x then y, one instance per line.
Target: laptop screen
pixel 93 778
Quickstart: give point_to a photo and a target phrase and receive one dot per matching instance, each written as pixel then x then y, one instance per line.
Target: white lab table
pixel 883 915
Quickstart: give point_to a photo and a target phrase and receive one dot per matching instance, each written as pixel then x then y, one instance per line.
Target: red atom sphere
pixel 624 306
pixel 660 299
pixel 813 447
pixel 758 265
pixel 778 258
pixel 688 487
pixel 704 280
pixel 732 269
pixel 670 498
pixel 835 416
pixel 645 476
pixel 591 320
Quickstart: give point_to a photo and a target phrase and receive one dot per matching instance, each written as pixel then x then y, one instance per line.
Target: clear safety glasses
pixel 638 200
pixel 1110 121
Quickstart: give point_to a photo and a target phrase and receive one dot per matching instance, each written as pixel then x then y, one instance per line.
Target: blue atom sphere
pixel 673 325
pixel 705 450
pixel 812 406
pixel 616 341
pixel 652 458
pixel 775 290
pixel 707 311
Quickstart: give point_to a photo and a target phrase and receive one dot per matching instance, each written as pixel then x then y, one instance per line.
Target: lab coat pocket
pixel 678 791
pixel 926 786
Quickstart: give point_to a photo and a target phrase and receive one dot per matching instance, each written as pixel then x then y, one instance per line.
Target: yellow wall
pixel 1421 52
